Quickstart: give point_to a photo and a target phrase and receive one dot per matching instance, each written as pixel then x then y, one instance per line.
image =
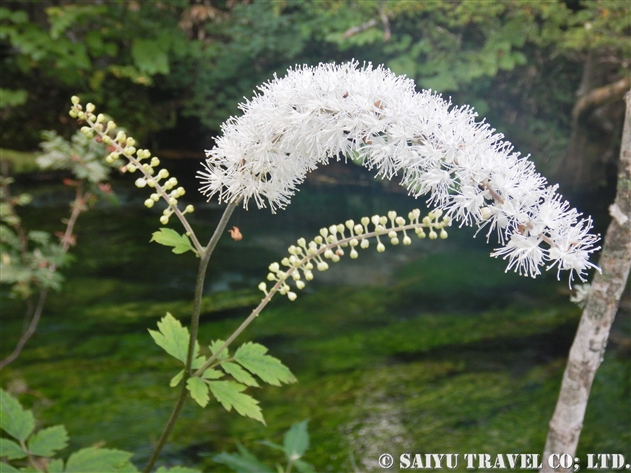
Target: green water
pixel 427 349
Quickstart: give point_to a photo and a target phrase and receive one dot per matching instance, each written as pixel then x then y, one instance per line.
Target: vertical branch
pixel 589 343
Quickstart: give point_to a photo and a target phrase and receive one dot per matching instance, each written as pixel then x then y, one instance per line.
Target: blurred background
pixel 425 349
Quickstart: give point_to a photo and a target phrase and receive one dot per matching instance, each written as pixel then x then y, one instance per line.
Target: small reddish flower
pixel 235 234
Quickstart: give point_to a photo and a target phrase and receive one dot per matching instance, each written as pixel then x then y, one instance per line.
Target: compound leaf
pixel 47 441
pixel 56 466
pixel 199 390
pixel 6 468
pixel 103 460
pixel 11 450
pixel 239 374
pixel 216 345
pixel 252 356
pixel 169 237
pixel 15 420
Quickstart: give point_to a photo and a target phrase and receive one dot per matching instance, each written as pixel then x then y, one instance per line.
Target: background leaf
pixel 103 460
pixel 229 394
pixel 10 449
pixel 47 441
pixel 15 420
pixel 242 462
pixel 176 469
pixel 296 441
pixel 252 356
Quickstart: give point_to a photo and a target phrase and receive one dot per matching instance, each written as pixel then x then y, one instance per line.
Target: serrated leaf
pixel 103 460
pixel 239 374
pixel 173 337
pixel 216 345
pixel 296 441
pixel 47 441
pixel 212 374
pixel 176 469
pixel 242 462
pixel 11 450
pixel 199 390
pixel 6 468
pixel 229 394
pixel 252 356
pixel 169 237
pixel 15 420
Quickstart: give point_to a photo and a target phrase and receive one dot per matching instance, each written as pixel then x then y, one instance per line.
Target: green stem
pixel 199 291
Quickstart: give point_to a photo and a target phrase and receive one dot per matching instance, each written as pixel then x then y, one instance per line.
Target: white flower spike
pixel 314 114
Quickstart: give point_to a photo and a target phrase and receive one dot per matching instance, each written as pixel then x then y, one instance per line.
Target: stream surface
pixel 430 348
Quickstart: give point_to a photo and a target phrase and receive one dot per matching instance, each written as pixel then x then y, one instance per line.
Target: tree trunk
pixel 589 344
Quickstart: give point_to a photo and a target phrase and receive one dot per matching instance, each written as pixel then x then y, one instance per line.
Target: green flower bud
pixel 291 296
pixel 100 118
pixel 318 240
pixel 364 244
pixel 333 229
pixel 189 208
pixel 375 220
pixel 358 229
pixel 110 126
pixel 81 115
pixel 420 233
pixel 140 183
pixel 300 284
pixel 90 107
pixel 380 247
pixel 392 234
pixel 328 254
pixel 335 258
pixel 131 167
pixel 172 201
pixel 149 203
pixel 324 232
pixel 365 221
pixel 302 242
pixel 163 174
pixel 383 220
pixel 354 242
pixel 130 141
pixel 350 224
pixel 322 266
pixel 438 213
pixel 308 266
pixel 73 113
pixel 164 220
pixel 394 241
pixel 295 275
pixel 155 162
pixel 263 287
pixel 129 150
pixel 400 221
pixel 75 100
pixel 340 228
pixel 392 215
pixel 433 235
pixel 308 275
pixel 427 220
pixel 354 254
pixel 85 130
pixel 271 277
pixel 274 267
pixel 443 234
pixel 407 240
pixel 107 140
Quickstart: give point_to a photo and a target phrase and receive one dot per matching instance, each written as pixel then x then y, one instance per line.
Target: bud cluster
pixel 330 243
pixel 120 144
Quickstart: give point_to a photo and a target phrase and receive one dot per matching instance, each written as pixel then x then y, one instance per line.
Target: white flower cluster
pixel 369 114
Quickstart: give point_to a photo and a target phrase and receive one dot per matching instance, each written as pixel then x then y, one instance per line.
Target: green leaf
pixel 252 356
pixel 303 467
pixel 14 420
pixel 6 468
pixel 103 460
pixel 273 445
pixel 212 374
pixel 169 237
pixel 173 337
pixel 176 379
pixel 11 450
pixel 239 374
pixel 176 469
pixel 242 462
pixel 47 441
pixel 296 441
pixel 199 390
pixel 228 393
pixel 216 345
pixel 56 466
pixel 150 56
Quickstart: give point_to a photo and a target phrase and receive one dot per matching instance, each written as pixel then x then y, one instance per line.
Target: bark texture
pixel 588 349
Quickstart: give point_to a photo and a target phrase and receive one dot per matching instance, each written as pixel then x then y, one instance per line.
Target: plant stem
pixel 588 348
pixel 29 331
pixel 199 292
pixel 77 207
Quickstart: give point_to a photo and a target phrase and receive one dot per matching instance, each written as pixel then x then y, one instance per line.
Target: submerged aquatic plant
pixel 370 115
